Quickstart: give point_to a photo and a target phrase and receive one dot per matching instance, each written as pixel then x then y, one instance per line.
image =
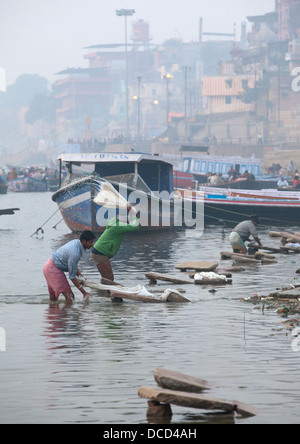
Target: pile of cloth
pixel 211 276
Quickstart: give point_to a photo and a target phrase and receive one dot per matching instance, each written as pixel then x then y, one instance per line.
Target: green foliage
pixel 22 92
pixel 42 107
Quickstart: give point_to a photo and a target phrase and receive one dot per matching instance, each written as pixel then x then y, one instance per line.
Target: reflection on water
pixel 85 363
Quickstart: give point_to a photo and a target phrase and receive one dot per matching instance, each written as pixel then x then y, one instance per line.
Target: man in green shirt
pixel 110 242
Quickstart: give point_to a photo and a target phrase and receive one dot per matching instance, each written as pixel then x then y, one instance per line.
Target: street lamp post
pixel 139 79
pixel 126 13
pixel 167 78
pixel 138 99
pixel 185 69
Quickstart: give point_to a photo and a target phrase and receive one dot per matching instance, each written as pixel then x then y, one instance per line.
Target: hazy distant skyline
pixel 46 36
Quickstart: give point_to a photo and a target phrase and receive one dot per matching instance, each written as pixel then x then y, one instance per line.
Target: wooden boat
pixel 194 169
pixel 222 206
pixel 8 211
pixel 141 177
pixel 184 180
pixel 27 184
pixel 267 194
pixel 249 184
pixel 199 166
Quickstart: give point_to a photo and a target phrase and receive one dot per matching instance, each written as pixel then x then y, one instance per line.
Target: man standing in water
pixel 241 234
pixel 110 242
pixel 66 259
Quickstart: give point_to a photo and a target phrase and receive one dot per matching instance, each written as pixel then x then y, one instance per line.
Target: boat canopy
pixel 111 157
pixel 155 172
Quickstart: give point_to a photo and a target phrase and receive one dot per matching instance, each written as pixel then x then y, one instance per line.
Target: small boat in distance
pixel 3 188
pixel 8 211
pixel 26 184
pixel 146 179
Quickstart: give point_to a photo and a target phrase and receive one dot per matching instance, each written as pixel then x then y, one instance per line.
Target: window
pixel 203 166
pixel 244 84
pixel 229 83
pixel 217 167
pixel 187 165
pixel 256 170
pixel 228 100
pixel 197 166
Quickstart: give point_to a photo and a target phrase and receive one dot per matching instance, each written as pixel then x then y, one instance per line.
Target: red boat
pixel 184 180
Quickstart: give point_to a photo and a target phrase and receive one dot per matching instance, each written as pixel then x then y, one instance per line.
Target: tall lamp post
pixel 126 13
pixel 167 78
pixel 139 79
pixel 185 69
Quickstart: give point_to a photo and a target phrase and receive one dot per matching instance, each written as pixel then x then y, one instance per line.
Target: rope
pixel 40 229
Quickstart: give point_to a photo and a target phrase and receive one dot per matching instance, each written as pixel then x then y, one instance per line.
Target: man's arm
pixel 254 234
pixel 257 240
pixel 74 273
pixel 78 284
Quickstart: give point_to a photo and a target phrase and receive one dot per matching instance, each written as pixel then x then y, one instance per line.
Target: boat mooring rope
pixel 40 229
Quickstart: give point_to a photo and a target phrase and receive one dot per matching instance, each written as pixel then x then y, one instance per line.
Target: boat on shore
pixel 26 184
pixel 3 188
pixel 142 179
pixel 272 206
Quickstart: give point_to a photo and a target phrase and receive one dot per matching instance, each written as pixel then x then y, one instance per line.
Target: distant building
pixel 288 19
pixel 221 94
pixel 81 93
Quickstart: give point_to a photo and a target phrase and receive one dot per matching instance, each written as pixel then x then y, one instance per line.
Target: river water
pixel 85 363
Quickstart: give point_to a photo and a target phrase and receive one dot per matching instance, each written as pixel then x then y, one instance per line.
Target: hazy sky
pixel 46 36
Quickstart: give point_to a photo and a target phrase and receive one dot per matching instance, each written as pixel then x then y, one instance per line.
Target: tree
pixel 42 107
pixel 22 92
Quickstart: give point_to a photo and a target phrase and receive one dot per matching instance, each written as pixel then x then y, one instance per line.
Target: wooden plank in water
pixel 151 298
pixel 184 399
pixel 293 293
pixel 172 380
pixel 295 250
pixel 274 250
pixel 245 410
pixel 213 282
pixel 266 261
pixel 229 270
pixel 197 265
pixel 239 257
pixel 285 235
pixel 154 277
pixel 259 255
